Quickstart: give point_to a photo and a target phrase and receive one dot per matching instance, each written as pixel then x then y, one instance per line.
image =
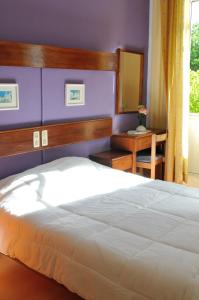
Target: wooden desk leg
pixel 134 162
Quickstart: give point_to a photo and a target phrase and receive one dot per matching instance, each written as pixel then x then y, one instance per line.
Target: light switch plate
pixel 44 137
pixel 36 139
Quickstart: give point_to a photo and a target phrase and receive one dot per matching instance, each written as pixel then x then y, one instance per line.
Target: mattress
pixel 102 233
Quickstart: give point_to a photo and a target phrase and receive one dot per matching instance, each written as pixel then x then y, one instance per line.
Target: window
pixel 194 63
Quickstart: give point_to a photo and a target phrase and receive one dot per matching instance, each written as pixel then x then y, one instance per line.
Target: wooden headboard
pixel 20 141
pixel 45 56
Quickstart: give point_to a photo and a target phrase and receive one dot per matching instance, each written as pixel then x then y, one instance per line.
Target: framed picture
pixel 9 96
pixel 74 94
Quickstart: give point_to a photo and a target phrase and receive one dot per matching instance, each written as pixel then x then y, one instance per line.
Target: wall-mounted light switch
pixel 36 139
pixel 44 137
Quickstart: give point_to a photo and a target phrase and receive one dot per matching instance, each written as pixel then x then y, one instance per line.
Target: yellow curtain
pixel 156 73
pixel 174 47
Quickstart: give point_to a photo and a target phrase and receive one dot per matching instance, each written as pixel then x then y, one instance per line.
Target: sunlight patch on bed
pixel 81 182
pixel 55 187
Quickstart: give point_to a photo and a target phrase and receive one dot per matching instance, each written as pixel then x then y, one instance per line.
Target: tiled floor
pixel 193 180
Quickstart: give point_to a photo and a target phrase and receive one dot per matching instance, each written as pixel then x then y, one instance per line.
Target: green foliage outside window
pixel 194 92
pixel 194 72
pixel 195 47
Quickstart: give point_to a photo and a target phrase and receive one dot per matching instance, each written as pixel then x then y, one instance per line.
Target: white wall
pixel 194 143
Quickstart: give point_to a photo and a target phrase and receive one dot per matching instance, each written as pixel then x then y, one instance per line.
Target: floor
pixel 20 283
pixel 193 180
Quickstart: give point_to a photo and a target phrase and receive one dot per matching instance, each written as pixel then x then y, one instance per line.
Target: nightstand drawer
pixel 122 163
pixel 120 160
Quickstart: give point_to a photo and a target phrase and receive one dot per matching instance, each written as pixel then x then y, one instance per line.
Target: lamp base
pixel 141 128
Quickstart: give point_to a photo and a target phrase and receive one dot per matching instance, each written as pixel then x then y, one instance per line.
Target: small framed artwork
pixel 74 94
pixel 9 96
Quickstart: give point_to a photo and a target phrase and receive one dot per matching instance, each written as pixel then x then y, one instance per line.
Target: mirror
pixel 129 81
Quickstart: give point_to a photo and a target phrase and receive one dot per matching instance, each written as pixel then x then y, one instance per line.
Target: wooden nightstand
pixel 120 160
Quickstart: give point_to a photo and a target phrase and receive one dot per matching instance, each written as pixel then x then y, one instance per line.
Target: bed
pixel 103 233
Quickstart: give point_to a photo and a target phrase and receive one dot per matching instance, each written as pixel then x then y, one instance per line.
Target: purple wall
pixel 90 24
pixel 29 81
pixel 99 94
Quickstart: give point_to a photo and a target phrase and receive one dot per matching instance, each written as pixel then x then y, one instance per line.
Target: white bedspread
pixel 104 234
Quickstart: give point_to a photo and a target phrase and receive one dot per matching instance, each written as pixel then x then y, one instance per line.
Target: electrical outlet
pixel 44 137
pixel 36 139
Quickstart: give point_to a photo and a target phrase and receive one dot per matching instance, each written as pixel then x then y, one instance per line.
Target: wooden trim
pixel 141 79
pixel 118 86
pixel 143 165
pixel 118 79
pixel 45 56
pixel 19 141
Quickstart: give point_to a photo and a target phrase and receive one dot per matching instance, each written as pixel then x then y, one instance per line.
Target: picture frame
pixel 74 94
pixel 9 96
